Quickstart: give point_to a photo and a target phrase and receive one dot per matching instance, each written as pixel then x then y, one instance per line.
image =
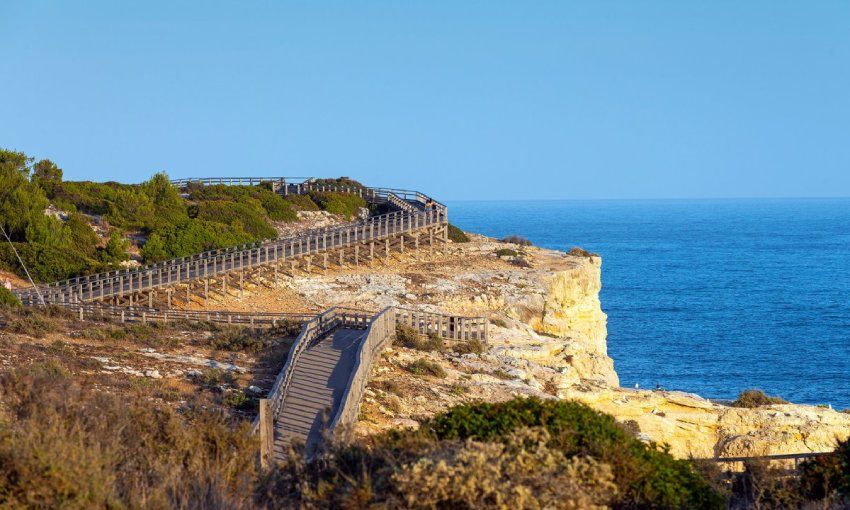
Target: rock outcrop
pixel 547 339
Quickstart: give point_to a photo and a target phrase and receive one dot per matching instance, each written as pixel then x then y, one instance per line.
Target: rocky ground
pixel 171 365
pixel 548 338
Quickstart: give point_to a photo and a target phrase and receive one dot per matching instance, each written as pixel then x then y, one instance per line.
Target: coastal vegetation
pixel 457 235
pixel 64 442
pixel 62 229
pixel 756 398
pixel 517 240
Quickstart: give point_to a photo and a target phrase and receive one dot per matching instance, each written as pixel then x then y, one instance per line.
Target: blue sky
pixel 466 100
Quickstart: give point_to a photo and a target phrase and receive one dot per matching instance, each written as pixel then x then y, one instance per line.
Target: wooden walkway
pixel 317 388
pixel 320 387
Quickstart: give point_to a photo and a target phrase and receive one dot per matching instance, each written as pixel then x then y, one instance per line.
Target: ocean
pixel 708 296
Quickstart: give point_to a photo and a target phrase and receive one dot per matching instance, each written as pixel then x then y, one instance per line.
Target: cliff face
pixel 547 339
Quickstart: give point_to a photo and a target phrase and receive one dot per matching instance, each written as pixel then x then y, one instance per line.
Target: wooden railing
pixel 380 330
pixel 736 463
pixel 302 185
pixel 450 327
pixel 313 330
pixel 216 262
pixel 378 335
pixel 143 315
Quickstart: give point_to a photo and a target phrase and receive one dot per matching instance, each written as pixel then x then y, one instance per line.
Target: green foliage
pixel 646 477
pixel 340 182
pixel 408 337
pixel 457 235
pixel 274 206
pixel 827 476
pixel 115 250
pixel 46 263
pixel 344 204
pixel 81 235
pixel 47 175
pixel 247 216
pixel 756 398
pixel 193 237
pixel 21 203
pixel 302 202
pixel 518 454
pixel 506 252
pixel 8 299
pixel 242 339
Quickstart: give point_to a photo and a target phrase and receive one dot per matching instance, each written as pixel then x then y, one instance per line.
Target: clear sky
pixel 478 100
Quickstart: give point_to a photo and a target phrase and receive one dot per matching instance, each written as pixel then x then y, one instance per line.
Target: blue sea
pixel 708 296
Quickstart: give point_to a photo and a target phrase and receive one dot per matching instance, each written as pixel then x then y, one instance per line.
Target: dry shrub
pixel 469 347
pixel 36 322
pixel 65 445
pixel 407 336
pixel 515 239
pixel 523 472
pixel 581 252
pixel 423 366
pixel 756 398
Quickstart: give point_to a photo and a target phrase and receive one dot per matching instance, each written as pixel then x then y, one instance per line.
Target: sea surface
pixel 708 296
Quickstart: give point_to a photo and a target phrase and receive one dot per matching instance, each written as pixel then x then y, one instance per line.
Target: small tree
pixel 47 175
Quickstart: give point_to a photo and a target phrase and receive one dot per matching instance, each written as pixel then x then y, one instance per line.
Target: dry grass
pixel 65 445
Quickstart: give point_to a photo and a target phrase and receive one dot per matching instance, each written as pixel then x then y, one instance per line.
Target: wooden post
pixel 206 290
pixel 357 255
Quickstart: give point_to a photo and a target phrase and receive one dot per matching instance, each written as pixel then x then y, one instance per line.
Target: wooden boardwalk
pixel 412 216
pixel 317 388
pixel 320 387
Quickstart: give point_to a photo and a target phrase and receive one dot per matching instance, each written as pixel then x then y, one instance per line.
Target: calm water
pixel 709 296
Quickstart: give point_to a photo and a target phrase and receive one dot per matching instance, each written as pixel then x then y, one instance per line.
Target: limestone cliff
pixel 548 339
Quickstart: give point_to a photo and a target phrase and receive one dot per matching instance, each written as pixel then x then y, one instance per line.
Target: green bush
pixel 193 237
pixel 408 337
pixel 247 216
pixel 340 182
pixel 9 299
pixel 506 252
pixel 46 263
pixel 457 235
pixel 81 235
pixel 756 398
pixel 518 454
pixel 344 204
pixel 646 477
pixel 275 207
pixel 301 202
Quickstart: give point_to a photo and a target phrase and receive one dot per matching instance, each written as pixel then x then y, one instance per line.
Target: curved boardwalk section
pixel 318 385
